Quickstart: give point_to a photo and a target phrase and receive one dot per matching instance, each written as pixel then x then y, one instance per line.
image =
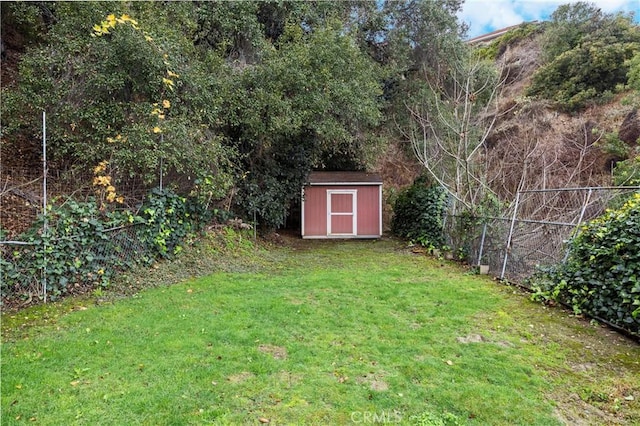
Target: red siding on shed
pixel 316 215
pixel 315 211
pixel 369 210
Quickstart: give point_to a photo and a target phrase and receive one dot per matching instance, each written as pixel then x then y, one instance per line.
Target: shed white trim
pixel 353 213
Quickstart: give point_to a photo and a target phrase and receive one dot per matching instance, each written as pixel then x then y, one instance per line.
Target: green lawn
pixel 323 333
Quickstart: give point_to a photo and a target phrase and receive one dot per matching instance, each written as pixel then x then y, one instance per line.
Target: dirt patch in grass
pixel 277 352
pixel 581 366
pixel 597 404
pixel 374 381
pixel 240 377
pixel 572 410
pixel 471 338
pixel 478 338
pixel 379 385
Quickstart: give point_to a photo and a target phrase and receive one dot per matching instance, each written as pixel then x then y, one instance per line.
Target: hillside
pixel 534 145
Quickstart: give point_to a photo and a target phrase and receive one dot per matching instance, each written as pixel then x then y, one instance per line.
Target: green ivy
pixel 83 246
pixel 168 219
pixel 419 213
pixel 71 243
pixel 601 275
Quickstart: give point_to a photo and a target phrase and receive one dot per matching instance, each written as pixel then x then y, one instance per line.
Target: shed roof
pixel 338 178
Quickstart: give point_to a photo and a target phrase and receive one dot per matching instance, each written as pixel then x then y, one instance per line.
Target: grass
pixel 321 333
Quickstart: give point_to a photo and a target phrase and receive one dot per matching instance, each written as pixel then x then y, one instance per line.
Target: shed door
pixel 342 212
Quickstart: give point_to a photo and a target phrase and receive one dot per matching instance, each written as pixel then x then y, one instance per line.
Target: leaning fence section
pixel 536 231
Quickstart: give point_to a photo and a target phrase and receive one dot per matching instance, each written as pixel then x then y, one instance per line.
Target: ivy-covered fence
pixel 600 276
pixel 78 245
pixel 46 268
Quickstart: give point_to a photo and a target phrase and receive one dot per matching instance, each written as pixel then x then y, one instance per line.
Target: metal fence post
pixel 508 247
pixel 484 233
pixel 45 224
pixel 582 211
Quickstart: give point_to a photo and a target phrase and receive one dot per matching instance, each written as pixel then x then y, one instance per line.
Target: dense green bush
pixel 83 245
pixel 601 276
pixel 587 56
pixel 418 213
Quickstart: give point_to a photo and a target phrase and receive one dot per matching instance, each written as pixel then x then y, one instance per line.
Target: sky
pixel 484 16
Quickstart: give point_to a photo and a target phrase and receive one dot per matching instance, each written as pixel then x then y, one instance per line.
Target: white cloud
pixel 484 16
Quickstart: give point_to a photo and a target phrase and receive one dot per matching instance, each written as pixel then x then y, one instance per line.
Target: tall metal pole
pixel 484 233
pixel 580 219
pixel 161 160
pixel 508 248
pixel 45 230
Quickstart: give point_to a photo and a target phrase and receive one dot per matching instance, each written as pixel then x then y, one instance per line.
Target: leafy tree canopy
pixel 310 104
pixel 121 89
pixel 586 53
pixel 239 99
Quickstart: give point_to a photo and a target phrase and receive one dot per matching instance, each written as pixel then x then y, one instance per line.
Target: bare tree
pixel 451 118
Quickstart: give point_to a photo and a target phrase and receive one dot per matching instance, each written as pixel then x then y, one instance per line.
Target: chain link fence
pixel 536 232
pixel 89 262
pixel 25 194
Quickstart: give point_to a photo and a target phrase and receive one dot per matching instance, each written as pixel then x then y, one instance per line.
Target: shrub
pixel 601 275
pixel 588 56
pixel 627 172
pixel 419 213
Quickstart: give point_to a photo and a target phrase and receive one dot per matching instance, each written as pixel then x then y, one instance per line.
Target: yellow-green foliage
pixel 627 172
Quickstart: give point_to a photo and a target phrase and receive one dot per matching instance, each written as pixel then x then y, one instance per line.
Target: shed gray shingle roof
pixel 333 178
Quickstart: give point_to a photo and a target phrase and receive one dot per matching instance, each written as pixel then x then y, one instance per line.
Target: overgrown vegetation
pixel 78 246
pixel 235 102
pixel 627 172
pixel 586 53
pixel 419 213
pixel 601 276
pixel 120 89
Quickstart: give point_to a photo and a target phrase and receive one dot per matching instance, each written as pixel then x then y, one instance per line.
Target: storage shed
pixel 342 205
